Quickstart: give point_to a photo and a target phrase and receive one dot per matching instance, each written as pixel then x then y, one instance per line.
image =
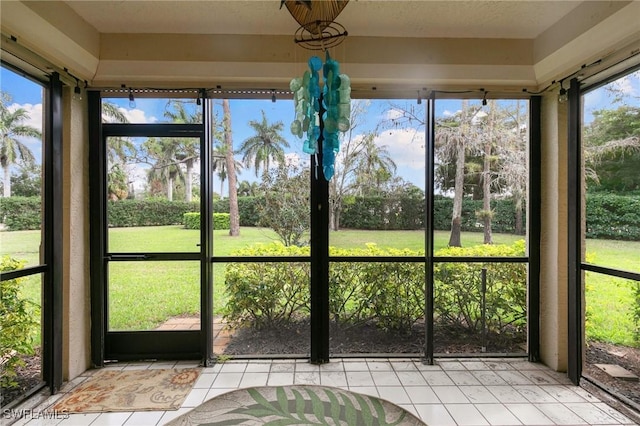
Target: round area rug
pixel 296 405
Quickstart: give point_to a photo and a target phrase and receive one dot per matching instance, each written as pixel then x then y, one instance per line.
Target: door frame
pixel 149 344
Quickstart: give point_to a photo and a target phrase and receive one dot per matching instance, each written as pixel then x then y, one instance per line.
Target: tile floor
pixel 452 392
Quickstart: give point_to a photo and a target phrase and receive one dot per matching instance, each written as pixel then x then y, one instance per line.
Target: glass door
pixel 155 266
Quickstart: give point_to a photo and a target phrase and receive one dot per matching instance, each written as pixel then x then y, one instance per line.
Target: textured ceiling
pixel 388 18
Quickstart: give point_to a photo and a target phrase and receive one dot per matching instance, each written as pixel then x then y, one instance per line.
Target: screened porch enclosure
pixel 416 246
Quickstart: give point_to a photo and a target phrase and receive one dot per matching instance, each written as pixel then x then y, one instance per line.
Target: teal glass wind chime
pixel 322 111
pixel 322 105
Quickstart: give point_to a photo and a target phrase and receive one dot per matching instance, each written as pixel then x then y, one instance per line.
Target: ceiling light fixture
pixel 563 96
pixel 317 30
pixel 77 91
pixel 419 98
pixel 273 96
pixel 132 100
pixel 484 98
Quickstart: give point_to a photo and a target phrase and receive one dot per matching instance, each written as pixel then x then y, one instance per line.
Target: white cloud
pixel 136 115
pixel 406 147
pixel 447 113
pixel 629 85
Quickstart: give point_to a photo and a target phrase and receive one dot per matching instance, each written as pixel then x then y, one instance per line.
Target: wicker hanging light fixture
pixel 318 29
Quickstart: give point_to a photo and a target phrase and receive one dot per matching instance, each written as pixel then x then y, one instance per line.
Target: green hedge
pixel 613 217
pixel 154 212
pixel 266 294
pixel 408 213
pixel 220 220
pixel 20 213
pixel 504 218
pixel 246 207
pixel 609 216
pixel 382 213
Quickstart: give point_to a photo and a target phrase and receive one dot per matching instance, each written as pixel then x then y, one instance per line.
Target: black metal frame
pixel 574 229
pixel 577 266
pixel 52 288
pixel 319 292
pixel 51 261
pixel 430 113
pixel 133 344
pixel 534 221
pixel 128 345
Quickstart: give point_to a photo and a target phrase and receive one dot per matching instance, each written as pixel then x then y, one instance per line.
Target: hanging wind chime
pixel 321 110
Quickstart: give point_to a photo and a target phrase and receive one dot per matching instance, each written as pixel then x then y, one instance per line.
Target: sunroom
pixel 170 201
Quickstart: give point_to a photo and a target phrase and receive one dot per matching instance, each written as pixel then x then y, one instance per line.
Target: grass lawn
pixel 144 294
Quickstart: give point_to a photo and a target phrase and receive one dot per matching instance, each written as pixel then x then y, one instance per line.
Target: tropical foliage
pixel 13 132
pixel 18 322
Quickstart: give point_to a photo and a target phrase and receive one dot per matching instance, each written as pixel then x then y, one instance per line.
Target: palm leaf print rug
pixel 295 405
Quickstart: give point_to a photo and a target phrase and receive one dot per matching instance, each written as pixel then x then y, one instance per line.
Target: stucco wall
pixel 554 251
pixel 76 288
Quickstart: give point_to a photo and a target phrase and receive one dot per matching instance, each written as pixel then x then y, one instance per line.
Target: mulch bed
pixel 29 376
pixel 294 338
pixel 626 357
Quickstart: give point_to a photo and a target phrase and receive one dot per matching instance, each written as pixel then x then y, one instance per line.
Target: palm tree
pixel 165 167
pixel 11 149
pixel 234 213
pixel 265 145
pixel 248 189
pixel 188 149
pixel 375 165
pixel 111 113
pixel 219 164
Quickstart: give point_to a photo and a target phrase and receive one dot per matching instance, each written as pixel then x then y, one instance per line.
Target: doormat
pixel 130 390
pixel 296 405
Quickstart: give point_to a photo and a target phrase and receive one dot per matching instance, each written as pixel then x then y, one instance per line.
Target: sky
pixel 404 145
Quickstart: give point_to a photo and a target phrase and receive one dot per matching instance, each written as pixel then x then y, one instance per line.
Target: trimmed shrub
pixel 247 207
pixel 267 294
pixel 390 294
pixel 18 322
pixel 220 220
pixel 614 217
pixel 21 213
pixel 458 289
pixel 152 212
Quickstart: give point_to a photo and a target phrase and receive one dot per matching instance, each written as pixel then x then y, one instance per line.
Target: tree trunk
pixel 486 177
pixel 170 189
pixel 456 217
pixel 189 184
pixel 7 181
pixel 519 228
pixel 234 219
pixel 458 192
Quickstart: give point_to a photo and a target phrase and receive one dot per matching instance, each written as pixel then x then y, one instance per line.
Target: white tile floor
pixel 452 392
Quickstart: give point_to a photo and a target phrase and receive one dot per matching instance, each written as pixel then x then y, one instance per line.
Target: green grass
pixel 144 294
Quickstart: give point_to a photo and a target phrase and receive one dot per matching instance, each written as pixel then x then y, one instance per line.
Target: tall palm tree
pixel 375 165
pixel 219 164
pixel 11 149
pixel 266 145
pixel 234 213
pixel 165 167
pixel 188 149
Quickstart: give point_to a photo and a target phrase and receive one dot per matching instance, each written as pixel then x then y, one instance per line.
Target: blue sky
pixel 406 146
